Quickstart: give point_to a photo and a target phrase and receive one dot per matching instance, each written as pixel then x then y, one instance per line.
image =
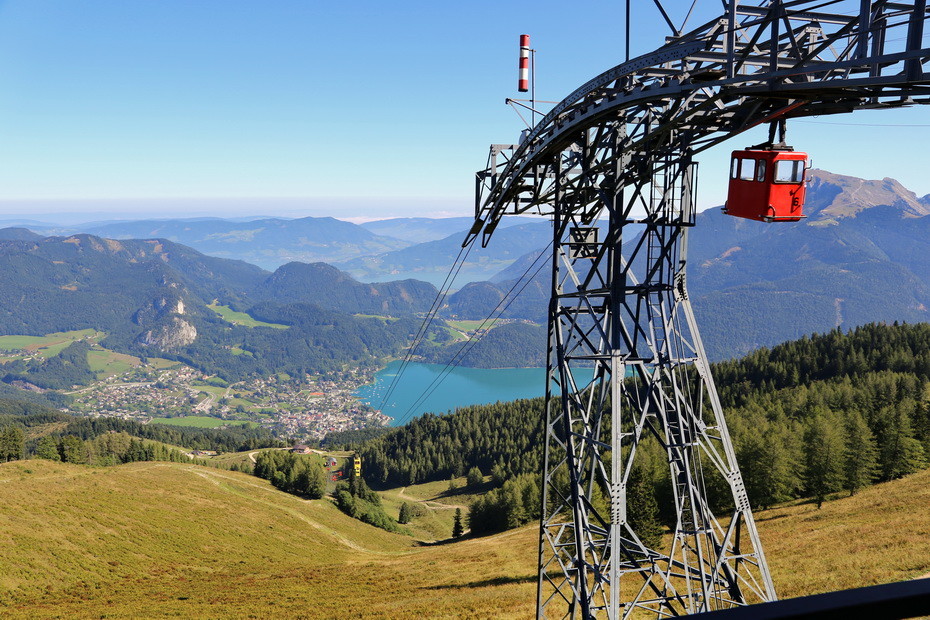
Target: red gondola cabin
pixel 767 185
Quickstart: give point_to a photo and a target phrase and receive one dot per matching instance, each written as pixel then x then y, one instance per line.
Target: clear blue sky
pixel 356 109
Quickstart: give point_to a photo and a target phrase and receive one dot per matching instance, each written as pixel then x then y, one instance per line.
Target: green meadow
pixel 241 318
pixel 106 363
pixel 468 325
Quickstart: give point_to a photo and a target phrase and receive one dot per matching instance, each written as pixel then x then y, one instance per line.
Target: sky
pixel 358 110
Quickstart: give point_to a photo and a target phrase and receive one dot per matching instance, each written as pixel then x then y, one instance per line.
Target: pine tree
pixel 73 450
pixel 457 529
pixel 498 475
pixel 12 443
pixel 513 506
pixel 47 448
pixel 768 461
pixel 316 486
pixel 404 516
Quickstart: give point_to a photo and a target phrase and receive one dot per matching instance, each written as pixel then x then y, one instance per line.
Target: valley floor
pixel 174 540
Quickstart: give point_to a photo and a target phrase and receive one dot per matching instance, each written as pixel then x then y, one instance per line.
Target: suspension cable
pixel 522 282
pixel 430 316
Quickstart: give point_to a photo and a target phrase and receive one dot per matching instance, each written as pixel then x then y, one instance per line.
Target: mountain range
pixel 267 242
pixel 153 298
pixel 862 254
pixel 271 242
pixel 431 261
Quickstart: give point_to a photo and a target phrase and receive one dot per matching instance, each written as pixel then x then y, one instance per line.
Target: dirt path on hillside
pixel 429 502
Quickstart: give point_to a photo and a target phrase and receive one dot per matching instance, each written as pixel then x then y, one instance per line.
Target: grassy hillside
pixel 163 539
pixel 877 536
pixel 160 539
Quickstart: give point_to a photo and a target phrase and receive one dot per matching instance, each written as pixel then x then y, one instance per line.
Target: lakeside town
pixel 307 409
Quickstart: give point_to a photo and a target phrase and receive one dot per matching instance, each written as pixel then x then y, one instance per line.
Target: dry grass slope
pixel 160 539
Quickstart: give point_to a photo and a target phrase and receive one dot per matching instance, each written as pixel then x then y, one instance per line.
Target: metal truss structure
pixel 612 164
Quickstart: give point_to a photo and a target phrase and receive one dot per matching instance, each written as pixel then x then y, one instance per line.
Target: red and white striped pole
pixel 523 84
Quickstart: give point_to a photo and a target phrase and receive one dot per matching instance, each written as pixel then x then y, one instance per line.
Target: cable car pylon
pixel 613 165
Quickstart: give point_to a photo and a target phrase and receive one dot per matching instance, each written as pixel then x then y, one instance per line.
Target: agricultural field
pixel 472 325
pixel 211 390
pixel 102 361
pixel 108 363
pixel 50 344
pixel 454 335
pixel 241 318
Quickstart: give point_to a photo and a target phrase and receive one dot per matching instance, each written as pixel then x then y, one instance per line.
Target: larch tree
pixel 861 464
pixel 823 454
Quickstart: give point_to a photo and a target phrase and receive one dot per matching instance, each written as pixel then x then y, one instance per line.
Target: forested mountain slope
pixel 332 289
pixel 862 255
pixel 151 297
pixel 862 397
pixel 66 283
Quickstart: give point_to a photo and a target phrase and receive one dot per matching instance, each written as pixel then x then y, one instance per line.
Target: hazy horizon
pixel 355 210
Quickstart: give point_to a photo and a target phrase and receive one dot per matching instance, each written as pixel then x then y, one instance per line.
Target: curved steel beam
pixel 776 60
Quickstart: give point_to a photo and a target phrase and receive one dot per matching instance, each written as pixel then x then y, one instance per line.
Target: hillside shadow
pixel 496 581
pixel 484 487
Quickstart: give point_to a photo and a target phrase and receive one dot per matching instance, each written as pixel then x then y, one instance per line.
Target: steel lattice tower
pixel 628 364
pixel 612 164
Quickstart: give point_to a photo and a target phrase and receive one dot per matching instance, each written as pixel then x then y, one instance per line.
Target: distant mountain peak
pixel 834 196
pixel 14 233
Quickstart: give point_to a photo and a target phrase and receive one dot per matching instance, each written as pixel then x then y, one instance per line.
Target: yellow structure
pixel 357 463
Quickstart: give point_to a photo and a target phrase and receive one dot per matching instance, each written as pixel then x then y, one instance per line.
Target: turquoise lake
pixel 460 387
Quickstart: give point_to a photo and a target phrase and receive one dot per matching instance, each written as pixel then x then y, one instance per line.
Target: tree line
pixel 292 473
pixel 106 450
pixel 27 416
pixel 502 436
pixel 809 418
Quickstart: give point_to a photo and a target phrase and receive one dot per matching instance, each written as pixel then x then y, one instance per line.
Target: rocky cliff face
pixel 157 309
pixel 170 335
